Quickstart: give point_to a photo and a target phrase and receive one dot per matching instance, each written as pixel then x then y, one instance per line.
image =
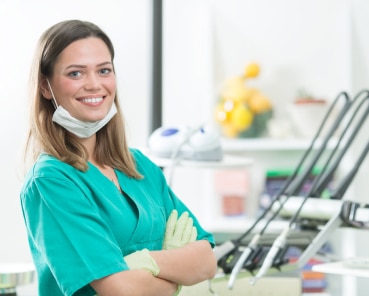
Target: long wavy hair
pixel 44 136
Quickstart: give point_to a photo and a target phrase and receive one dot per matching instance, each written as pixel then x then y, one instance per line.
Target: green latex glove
pixel 179 232
pixel 142 260
pixel 178 290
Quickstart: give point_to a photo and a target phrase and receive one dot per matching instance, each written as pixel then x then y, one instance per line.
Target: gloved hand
pixel 142 260
pixel 179 232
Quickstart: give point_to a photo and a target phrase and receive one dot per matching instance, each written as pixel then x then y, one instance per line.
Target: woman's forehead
pixel 90 51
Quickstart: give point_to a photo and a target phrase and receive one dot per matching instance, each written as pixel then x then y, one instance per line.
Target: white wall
pixel 188 89
pixel 298 44
pixel 128 23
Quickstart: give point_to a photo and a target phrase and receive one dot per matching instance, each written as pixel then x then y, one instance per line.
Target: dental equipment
pixel 334 218
pixel 280 241
pixel 347 214
pixel 325 179
pixel 201 143
pixel 296 186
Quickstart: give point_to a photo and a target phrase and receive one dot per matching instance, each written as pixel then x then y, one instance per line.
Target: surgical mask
pixel 81 129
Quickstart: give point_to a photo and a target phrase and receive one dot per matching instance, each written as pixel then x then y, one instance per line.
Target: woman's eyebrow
pixel 104 64
pixel 84 66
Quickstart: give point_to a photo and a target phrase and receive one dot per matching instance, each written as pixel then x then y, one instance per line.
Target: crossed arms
pixel 183 261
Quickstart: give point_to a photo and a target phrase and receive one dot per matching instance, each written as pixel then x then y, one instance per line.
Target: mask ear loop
pixel 55 104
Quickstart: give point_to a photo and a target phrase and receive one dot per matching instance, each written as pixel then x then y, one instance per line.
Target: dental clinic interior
pixel 256 112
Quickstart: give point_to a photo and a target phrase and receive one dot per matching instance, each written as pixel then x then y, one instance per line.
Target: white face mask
pixel 81 129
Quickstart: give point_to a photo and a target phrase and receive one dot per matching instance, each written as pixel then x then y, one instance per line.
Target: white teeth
pixel 92 100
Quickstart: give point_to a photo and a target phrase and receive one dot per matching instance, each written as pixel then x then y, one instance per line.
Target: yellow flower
pixel 259 104
pixel 252 70
pixel 234 90
pixel 241 117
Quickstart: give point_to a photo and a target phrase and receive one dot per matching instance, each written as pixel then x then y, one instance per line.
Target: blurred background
pixel 302 49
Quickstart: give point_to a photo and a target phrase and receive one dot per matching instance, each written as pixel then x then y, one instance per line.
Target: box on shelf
pixel 276 178
pixel 232 186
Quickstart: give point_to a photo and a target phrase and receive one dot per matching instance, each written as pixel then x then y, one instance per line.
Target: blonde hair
pixel 44 136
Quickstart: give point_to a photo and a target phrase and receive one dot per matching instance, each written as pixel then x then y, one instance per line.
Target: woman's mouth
pixel 91 100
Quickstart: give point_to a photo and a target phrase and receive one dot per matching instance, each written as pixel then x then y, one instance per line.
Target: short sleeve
pixel 61 220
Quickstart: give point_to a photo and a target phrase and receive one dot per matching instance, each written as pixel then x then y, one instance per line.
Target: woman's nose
pixel 92 82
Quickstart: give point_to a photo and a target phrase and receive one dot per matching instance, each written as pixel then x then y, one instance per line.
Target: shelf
pixel 228 162
pixel 267 144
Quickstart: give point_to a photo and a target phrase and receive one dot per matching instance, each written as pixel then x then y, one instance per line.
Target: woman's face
pixel 83 80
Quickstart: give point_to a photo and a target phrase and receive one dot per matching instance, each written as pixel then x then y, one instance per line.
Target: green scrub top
pixel 80 226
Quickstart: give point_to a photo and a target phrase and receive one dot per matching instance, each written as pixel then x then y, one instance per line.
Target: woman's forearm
pixel 133 283
pixel 187 265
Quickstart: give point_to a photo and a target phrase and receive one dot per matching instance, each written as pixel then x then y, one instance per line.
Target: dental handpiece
pixel 240 262
pixel 223 249
pixel 278 244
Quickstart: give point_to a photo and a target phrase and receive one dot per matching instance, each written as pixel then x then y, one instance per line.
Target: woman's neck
pixel 89 144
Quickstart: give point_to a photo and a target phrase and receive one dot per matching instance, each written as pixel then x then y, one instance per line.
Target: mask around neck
pixel 81 129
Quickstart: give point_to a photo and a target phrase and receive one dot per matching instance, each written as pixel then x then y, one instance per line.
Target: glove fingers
pixel 193 236
pixel 180 226
pixel 171 223
pixel 186 235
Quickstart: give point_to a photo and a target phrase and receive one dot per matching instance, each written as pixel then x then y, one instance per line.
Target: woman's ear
pixel 45 89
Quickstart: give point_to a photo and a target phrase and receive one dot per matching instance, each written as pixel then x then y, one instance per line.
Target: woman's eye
pixel 75 74
pixel 105 71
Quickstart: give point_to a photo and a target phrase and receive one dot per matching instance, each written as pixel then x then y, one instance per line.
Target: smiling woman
pixel 116 240
pixel 22 29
